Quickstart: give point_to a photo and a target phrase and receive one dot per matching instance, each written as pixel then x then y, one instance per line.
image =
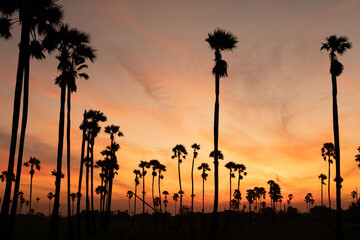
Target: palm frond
pixel 221 40
pixel 5 28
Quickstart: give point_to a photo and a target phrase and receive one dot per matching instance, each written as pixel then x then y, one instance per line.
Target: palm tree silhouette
pixel 33 162
pixel 309 200
pixel 50 196
pixel 240 168
pixel 328 154
pixel 335 45
pixel 129 195
pixel 175 198
pixel 37 204
pixel 154 164
pixel 354 196
pixel 73 49
pixel 231 166
pixel 35 19
pixel 143 165
pixel 166 202
pixel 204 167
pixel 250 197
pixel 161 168
pixel 179 153
pixel 262 193
pixel 322 177
pixel 219 41
pixel 196 148
pixel 72 196
pixel 137 182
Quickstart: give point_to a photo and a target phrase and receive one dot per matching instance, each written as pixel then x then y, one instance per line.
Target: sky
pixel 152 77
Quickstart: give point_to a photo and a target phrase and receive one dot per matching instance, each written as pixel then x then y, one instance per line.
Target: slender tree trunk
pixel 322 204
pixel 230 193
pixel 192 191
pixel 87 221
pixel 68 125
pixel 78 217
pixel 15 125
pixel 55 216
pixel 111 175
pixel 339 224
pixel 152 192
pixel 49 207
pixel 12 221
pixel 213 227
pixel 181 195
pixel 31 181
pixel 135 200
pixel 143 202
pixel 329 185
pixel 92 186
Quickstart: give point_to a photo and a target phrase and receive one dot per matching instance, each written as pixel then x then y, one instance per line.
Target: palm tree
pixel 161 168
pixel 240 168
pixel 50 195
pixel 143 165
pixel 165 200
pixel 35 18
pixel 219 41
pixel 357 157
pixel 179 153
pixel 309 200
pixel 137 182
pixel 262 193
pixel 33 162
pixel 328 154
pixel 73 196
pixel 175 198
pixel 231 166
pixel 37 204
pixel 73 48
pixel 354 196
pixel 322 177
pixel 113 131
pixel 154 164
pixel 196 148
pixel 335 45
pixel 129 195
pixel 204 167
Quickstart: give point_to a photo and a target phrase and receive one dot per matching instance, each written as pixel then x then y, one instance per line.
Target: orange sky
pixel 153 78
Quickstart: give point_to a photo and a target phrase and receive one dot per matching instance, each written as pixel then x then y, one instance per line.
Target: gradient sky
pixel 152 76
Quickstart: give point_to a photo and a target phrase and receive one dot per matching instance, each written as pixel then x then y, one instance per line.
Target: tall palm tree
pixel 50 196
pixel 336 45
pixel 231 166
pixel 154 164
pixel 72 196
pixel 129 195
pixel 175 198
pixel 137 182
pixel 219 41
pixel 161 168
pixel 113 131
pixel 35 18
pixel 143 165
pixel 196 148
pixel 179 153
pixel 309 200
pixel 204 167
pixel 328 154
pixel 73 49
pixel 166 193
pixel 32 163
pixel 240 168
pixel 322 177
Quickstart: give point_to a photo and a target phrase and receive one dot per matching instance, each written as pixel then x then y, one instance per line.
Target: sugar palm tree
pixel 328 154
pixel 161 168
pixel 179 153
pixel 166 202
pixel 290 197
pixel 33 163
pixel 50 196
pixel 357 157
pixel 204 167
pixel 322 177
pixel 336 45
pixel 137 182
pixel 143 165
pixel 129 195
pixel 240 168
pixel 154 164
pixel 354 195
pixel 35 18
pixel 73 49
pixel 309 200
pixel 219 41
pixel 196 148
pixel 72 196
pixel 231 166
pixel 175 198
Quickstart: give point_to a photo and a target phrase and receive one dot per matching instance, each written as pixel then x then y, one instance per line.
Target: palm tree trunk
pixel 181 195
pixel 87 221
pixel 329 185
pixel 111 173
pixel 203 200
pixel 15 124
pixel 213 226
pixel 192 191
pixel 78 217
pixel 31 181
pixel 92 186
pixel 135 200
pixel 69 219
pixel 55 215
pixel 49 207
pixel 152 191
pixel 230 193
pixel 143 202
pixel 339 224
pixel 12 221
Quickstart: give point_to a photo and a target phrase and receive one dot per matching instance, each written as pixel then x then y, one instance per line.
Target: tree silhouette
pixel 357 157
pixel 250 197
pixel 240 168
pixel 290 197
pixel 179 153
pixel 219 41
pixel 175 198
pixel 196 148
pixel 204 167
pixel 137 182
pixel 354 196
pixel 335 45
pixel 328 154
pixel 50 196
pixel 322 177
pixel 161 168
pixel 32 163
pixel 309 200
pixel 166 202
pixel 73 196
pixel 37 204
pixel 231 166
pixel 129 195
pixel 35 19
pixel 143 165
